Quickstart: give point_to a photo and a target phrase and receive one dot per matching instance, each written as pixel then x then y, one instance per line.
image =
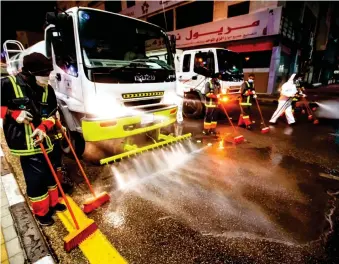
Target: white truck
pixel 196 66
pixel 193 68
pixel 111 92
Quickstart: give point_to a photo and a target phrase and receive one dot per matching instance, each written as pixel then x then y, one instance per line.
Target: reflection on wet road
pixel 194 203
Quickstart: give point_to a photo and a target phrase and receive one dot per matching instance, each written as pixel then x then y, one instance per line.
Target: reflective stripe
pixel 210 106
pixel 45 95
pixel 51 188
pixel 246 104
pixel 17 89
pixel 40 198
pixel 248 99
pixel 29 140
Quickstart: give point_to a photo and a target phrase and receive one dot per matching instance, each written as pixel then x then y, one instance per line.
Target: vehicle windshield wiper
pixel 142 60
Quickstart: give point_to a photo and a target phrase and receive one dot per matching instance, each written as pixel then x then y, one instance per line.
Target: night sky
pixel 23 15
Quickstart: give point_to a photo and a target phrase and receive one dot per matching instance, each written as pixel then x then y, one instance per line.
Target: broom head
pixel 265 130
pixel 310 117
pixel 73 239
pixel 94 203
pixel 238 139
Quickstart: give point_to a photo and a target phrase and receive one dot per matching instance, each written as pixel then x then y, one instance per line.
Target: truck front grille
pixel 142 102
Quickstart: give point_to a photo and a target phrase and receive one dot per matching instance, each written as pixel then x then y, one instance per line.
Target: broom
pixel 237 139
pixel 97 200
pixel 72 240
pixel 266 129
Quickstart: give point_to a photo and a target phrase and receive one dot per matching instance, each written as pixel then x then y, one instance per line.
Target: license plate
pixel 146 119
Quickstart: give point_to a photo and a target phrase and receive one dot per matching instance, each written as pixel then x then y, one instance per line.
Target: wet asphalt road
pixel 267 200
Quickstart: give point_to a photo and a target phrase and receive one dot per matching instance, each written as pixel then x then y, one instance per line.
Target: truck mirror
pixel 51 18
pixel 173 41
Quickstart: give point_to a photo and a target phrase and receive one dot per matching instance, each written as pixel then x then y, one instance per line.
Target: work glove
pixel 22 116
pixel 39 134
pixel 255 96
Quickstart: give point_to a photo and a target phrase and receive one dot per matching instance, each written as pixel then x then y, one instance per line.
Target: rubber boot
pixel 66 184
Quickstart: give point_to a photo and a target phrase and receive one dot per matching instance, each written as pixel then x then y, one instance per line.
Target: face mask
pixel 250 80
pixel 42 80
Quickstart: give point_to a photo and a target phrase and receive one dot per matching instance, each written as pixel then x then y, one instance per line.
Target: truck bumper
pixel 96 129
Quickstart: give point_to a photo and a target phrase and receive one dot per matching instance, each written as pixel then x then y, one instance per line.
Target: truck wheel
pixel 193 107
pixel 76 139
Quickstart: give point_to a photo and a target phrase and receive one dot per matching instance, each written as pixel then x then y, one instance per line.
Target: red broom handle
pixel 76 158
pixel 57 181
pixel 229 119
pixel 262 118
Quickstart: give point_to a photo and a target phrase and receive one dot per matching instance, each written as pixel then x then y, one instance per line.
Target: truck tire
pixel 76 139
pixel 193 107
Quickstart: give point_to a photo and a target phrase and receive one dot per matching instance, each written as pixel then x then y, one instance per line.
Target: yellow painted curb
pixel 4 255
pixel 96 248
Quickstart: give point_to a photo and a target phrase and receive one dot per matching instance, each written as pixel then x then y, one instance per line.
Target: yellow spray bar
pixel 133 150
pixel 96 248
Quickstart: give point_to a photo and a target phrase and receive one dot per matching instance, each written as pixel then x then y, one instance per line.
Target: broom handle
pixel 262 118
pixel 229 119
pixel 57 181
pixel 76 158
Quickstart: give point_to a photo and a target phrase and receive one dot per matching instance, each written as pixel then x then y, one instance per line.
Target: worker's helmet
pixel 37 64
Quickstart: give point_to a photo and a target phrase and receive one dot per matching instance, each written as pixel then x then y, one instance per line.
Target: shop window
pixel 163 21
pixel 196 13
pixel 258 59
pixel 113 6
pixel 238 9
pixel 186 63
pixel 130 3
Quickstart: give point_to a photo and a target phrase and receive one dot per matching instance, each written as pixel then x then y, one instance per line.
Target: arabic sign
pixel 143 8
pixel 264 23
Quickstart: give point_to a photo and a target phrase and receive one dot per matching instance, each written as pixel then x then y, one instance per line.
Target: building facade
pixel 275 38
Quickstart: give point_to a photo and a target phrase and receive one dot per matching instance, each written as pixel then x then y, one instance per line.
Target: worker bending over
pixel 26 99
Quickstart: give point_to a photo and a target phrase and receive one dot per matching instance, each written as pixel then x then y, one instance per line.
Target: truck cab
pixel 110 88
pixel 196 67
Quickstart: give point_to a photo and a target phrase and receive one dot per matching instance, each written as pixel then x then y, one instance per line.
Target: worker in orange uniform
pixel 212 89
pixel 247 96
pixel 27 98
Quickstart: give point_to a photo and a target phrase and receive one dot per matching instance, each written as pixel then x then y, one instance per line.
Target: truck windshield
pixel 114 41
pixel 230 65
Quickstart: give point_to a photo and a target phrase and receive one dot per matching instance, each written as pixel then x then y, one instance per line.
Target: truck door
pixel 204 66
pixel 61 46
pixel 185 73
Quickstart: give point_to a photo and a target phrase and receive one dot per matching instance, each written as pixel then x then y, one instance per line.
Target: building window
pixel 238 9
pixel 186 63
pixel 196 13
pixel 113 6
pixel 160 20
pixel 130 3
pixel 92 3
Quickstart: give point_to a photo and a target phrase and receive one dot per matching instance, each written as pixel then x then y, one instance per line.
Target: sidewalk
pixel 11 250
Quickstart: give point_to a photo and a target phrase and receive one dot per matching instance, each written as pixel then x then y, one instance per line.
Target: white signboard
pixel 264 23
pixel 143 8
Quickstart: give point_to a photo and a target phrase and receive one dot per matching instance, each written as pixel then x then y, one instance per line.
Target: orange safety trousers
pixel 41 187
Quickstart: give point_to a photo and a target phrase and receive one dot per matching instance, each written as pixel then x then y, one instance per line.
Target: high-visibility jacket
pixel 246 93
pixel 211 89
pixel 20 94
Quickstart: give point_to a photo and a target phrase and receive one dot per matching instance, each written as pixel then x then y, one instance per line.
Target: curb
pixel 30 237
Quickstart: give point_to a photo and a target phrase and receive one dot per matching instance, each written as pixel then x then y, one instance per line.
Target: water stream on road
pixel 220 196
